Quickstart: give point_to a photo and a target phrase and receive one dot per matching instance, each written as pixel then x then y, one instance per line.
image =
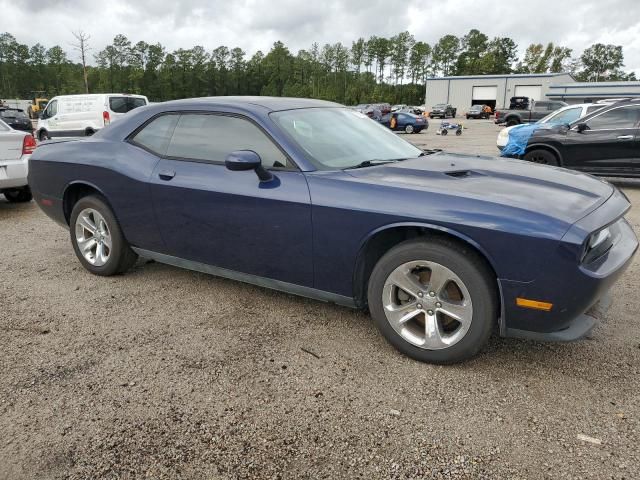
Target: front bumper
pixel 574 289
pixel 13 173
pixel 579 327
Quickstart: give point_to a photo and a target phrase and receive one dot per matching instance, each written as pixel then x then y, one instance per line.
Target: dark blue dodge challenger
pixel 315 199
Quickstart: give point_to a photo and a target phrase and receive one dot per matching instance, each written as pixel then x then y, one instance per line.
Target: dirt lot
pixel 165 373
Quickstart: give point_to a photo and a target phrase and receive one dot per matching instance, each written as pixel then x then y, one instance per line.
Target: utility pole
pixel 83 47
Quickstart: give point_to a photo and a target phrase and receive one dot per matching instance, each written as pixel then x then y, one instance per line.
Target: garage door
pixel 485 93
pixel 529 91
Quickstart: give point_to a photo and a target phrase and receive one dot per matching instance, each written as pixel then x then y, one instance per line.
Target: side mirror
pixel 581 127
pixel 242 160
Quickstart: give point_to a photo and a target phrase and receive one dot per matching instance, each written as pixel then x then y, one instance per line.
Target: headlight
pixel 599 243
pixel 504 133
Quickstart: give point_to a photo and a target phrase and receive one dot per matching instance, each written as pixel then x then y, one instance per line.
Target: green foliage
pixel 602 62
pixel 377 69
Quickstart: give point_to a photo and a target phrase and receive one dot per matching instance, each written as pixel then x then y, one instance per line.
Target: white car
pixel 567 114
pixel 84 115
pixel 15 149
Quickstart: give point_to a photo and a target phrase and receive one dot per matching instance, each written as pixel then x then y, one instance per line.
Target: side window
pixel 156 135
pixel 618 118
pixel 593 109
pixel 52 109
pixel 213 137
pixel 541 106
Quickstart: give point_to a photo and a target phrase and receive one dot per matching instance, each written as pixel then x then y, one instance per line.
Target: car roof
pixel 270 103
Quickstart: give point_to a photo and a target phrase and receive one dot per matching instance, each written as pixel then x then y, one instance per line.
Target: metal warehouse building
pixel 493 90
pixel 581 92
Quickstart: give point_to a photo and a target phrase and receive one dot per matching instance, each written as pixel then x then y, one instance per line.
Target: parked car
pixel 535 112
pixel 15 149
pixel 84 115
pixel 16 119
pixel 605 142
pixel 478 111
pixel 397 108
pixel 314 199
pixel 442 110
pixel 564 115
pixel 405 122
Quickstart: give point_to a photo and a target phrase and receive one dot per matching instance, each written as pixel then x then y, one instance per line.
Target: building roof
pixel 595 89
pixel 601 85
pixel 509 75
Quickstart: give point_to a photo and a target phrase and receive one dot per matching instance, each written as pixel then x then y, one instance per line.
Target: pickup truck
pixel 537 111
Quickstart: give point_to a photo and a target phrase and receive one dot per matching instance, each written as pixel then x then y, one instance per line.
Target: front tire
pixel 435 301
pixel 543 157
pixel 43 135
pixel 97 238
pixel 20 195
pixel 408 129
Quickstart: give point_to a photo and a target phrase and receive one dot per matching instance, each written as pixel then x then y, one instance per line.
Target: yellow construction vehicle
pixel 38 104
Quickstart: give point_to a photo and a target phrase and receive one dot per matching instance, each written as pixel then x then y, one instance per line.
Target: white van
pixel 83 115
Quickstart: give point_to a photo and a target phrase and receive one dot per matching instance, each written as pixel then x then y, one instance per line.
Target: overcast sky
pixel 255 25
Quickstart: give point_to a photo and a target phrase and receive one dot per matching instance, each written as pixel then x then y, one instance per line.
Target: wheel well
pixel 72 194
pixel 385 240
pixel 553 151
pixel 89 131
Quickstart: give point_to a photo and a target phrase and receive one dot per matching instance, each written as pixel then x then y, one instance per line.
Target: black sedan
pixel 606 142
pixel 16 119
pixel 478 111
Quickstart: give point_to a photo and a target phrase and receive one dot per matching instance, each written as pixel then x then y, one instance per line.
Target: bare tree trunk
pixel 83 47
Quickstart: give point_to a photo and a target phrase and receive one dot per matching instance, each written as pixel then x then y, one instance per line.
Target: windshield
pixel 564 117
pixel 440 105
pixel 342 138
pixel 476 107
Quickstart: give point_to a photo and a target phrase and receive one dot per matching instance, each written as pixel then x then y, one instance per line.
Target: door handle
pixel 166 174
pixel 625 137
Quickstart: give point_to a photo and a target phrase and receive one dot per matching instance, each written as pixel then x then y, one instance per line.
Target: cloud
pixel 254 24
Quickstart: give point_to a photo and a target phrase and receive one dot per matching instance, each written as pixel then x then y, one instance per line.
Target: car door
pixel 50 117
pixel 608 145
pixel 539 111
pixel 211 215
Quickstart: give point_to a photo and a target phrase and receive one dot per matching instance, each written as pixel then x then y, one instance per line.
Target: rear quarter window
pixel 156 135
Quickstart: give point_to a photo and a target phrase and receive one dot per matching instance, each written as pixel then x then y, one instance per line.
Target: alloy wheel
pixel 427 304
pixel 93 237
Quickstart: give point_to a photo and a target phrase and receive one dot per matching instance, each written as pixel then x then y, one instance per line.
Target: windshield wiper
pixel 371 163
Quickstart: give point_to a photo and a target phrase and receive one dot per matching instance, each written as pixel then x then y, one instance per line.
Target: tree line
pixel 376 69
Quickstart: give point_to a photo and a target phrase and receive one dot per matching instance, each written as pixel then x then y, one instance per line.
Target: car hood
pixel 563 194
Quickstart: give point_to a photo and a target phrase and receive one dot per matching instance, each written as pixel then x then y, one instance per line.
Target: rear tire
pixel 408 129
pixel 459 269
pixel 97 238
pixel 543 157
pixel 20 195
pixel 511 122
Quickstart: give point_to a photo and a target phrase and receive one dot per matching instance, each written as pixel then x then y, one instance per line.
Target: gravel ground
pixel 166 373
